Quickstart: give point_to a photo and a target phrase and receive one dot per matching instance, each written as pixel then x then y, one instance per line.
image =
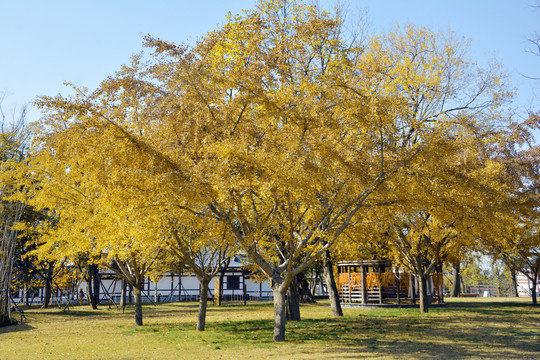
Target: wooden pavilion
pixel 376 282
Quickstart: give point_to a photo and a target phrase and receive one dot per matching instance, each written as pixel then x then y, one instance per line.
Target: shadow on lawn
pixel 76 313
pixel 402 337
pixel 501 309
pixel 492 330
pixel 15 328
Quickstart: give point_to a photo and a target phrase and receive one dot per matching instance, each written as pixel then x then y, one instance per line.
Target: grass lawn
pixel 467 328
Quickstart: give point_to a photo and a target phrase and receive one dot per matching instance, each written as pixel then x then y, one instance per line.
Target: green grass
pixel 467 328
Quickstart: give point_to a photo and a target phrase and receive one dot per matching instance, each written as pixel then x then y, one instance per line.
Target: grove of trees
pixel 282 137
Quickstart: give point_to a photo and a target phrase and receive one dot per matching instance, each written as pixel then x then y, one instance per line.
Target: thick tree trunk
pixel 304 292
pixel 328 273
pixel 10 213
pixel 280 318
pixel 138 305
pixel 96 282
pixel 533 289
pixel 203 303
pixel 514 282
pixel 8 240
pixel 90 292
pixel 5 301
pixel 456 288
pixel 422 292
pixel 292 311
pixel 92 285
pixel 47 293
pixel 5 308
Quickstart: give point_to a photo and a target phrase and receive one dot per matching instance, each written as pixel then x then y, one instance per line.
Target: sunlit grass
pixel 467 328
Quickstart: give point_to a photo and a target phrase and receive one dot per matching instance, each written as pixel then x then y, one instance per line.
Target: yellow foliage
pixel 375 280
pixel 271 135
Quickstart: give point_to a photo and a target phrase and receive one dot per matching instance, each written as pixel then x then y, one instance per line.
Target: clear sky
pixel 44 43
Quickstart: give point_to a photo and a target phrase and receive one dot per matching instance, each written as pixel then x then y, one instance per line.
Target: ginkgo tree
pixel 286 152
pixel 204 247
pixel 439 202
pixel 513 236
pixel 449 109
pixel 96 220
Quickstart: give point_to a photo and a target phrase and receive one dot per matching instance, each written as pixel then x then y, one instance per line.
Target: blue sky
pixel 45 43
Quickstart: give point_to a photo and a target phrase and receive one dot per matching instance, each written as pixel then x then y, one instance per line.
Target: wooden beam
pixel 363 280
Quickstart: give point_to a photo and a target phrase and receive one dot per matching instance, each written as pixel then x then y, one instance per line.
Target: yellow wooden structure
pixel 377 282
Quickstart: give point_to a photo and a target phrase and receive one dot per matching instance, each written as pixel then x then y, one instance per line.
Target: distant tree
pixel 27 265
pixel 502 277
pixel 473 273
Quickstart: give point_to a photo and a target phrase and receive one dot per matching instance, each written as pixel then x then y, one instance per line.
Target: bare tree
pixel 534 42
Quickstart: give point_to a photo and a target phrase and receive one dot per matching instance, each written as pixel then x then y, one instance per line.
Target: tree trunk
pixel 218 288
pixel 221 278
pixel 27 296
pixel 92 285
pixel 95 283
pixel 514 282
pixel 280 318
pixel 203 303
pixel 328 273
pixel 456 288
pixel 422 292
pixel 292 310
pixel 314 288
pixel 90 292
pixel 8 240
pixel 304 292
pixel 123 294
pixel 138 305
pixel 533 289
pixel 47 294
pixel 5 301
pixel 10 213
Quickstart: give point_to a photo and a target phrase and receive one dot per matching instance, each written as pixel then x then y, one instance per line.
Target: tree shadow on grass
pixel 15 328
pixel 393 336
pixel 250 304
pixel 495 331
pixel 78 313
pixel 495 308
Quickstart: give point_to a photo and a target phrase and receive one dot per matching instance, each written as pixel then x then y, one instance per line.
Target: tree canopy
pixel 277 137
